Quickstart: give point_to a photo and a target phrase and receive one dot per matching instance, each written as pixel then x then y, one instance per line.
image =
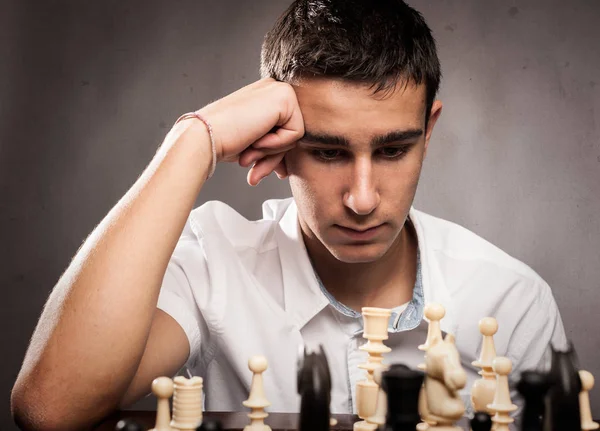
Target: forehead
pixel 334 104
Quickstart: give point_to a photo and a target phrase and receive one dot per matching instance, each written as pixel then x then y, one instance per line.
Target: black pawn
pixel 534 386
pixel 129 425
pixel 402 386
pixel 562 403
pixel 481 422
pixel 210 425
pixel 314 387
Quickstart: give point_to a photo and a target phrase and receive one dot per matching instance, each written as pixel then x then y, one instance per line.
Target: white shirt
pixel 240 288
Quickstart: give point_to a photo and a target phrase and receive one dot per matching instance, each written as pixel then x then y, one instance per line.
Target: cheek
pixel 407 173
pixel 307 179
pixel 307 200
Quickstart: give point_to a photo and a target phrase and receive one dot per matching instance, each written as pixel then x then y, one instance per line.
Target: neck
pixel 387 282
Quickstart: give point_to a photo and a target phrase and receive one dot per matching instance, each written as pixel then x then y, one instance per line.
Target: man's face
pixel 354 174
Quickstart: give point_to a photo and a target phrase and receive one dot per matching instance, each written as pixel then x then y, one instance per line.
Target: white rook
pixel 187 403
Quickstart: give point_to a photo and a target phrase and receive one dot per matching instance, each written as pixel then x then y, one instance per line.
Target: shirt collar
pixel 434 286
pixel 304 299
pixel 302 296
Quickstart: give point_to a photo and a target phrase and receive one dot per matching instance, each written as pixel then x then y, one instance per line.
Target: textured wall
pixel 87 92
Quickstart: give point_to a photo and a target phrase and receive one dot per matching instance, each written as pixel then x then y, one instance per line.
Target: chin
pixel 358 253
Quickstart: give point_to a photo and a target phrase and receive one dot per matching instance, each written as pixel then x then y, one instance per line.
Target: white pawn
pixel 484 389
pixel 587 383
pixel 502 404
pixel 257 401
pixel 434 313
pixel 162 388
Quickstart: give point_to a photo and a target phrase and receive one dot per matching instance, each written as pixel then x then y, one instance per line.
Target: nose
pixel 362 196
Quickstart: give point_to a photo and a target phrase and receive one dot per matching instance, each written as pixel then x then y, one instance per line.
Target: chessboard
pixel 228 420
pixel 392 397
pixel 237 420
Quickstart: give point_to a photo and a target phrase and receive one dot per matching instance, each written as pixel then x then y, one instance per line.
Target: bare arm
pixel 92 333
pixel 99 339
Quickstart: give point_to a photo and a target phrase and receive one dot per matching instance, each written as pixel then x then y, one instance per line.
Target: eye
pixel 392 152
pixel 328 154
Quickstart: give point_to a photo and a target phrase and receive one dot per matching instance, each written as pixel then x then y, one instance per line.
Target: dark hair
pixel 377 42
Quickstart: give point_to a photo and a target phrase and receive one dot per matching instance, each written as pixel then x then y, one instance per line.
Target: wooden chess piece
pixel 481 421
pixel 162 388
pixel 533 386
pixel 587 383
pixel 210 425
pixel 502 403
pixel 380 414
pixel 314 388
pixel 128 424
pixel 402 386
pixel 484 389
pixel 187 403
pixel 562 402
pixel 376 321
pixel 444 379
pixel 257 401
pixel 434 313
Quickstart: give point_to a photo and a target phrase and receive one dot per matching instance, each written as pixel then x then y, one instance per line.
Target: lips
pixel 360 234
pixel 358 229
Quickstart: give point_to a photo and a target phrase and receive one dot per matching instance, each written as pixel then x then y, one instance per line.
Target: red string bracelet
pixel 210 133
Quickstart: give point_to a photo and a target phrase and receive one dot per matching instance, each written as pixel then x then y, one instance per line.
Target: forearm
pixel 98 317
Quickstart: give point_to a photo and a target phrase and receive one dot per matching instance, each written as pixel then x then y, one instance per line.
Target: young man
pixel 345 110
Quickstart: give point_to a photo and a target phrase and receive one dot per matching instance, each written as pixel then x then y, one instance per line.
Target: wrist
pixel 199 124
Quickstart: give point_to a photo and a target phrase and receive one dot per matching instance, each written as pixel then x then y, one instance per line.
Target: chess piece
pixel 376 322
pixel 379 416
pixel 187 403
pixel 533 386
pixel 128 424
pixel 402 387
pixel 502 403
pixel 434 313
pixel 444 379
pixel 481 421
pixel 162 388
pixel 562 408
pixel 257 401
pixel 210 425
pixel 484 389
pixel 314 387
pixel 587 383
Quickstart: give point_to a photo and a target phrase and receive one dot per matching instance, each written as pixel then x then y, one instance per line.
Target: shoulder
pixel 483 280
pixel 216 221
pixel 219 253
pixel 450 242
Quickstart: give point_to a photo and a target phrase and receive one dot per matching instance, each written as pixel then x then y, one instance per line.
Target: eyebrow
pixel 342 141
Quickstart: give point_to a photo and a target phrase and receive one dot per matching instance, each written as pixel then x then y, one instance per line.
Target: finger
pixel 281 170
pixel 263 168
pixel 276 138
pixel 251 155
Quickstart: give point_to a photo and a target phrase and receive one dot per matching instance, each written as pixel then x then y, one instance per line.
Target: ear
pixel 436 111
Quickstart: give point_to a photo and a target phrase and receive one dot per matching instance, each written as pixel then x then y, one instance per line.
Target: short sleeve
pixel 185 284
pixel 540 328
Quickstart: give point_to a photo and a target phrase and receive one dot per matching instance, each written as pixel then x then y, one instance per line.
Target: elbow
pixel 25 412
pixel 33 411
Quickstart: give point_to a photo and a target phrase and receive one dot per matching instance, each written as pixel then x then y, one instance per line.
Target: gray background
pixel 88 91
